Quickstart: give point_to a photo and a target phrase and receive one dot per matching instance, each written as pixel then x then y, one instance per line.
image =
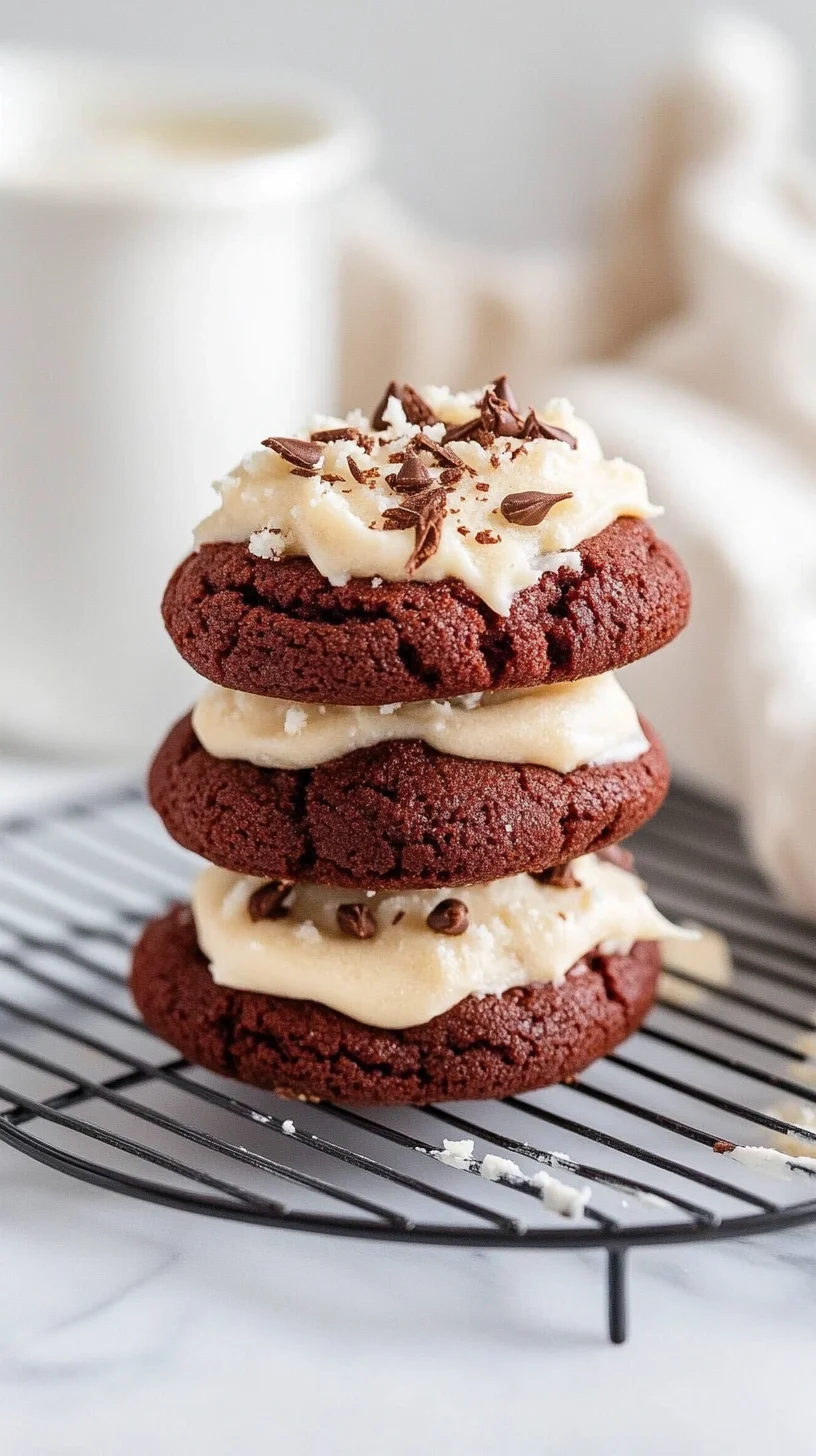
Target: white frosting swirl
pixel 520 932
pixel 337 520
pixel 559 726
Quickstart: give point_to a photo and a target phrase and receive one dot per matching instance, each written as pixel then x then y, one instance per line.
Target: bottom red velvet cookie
pixel 530 1037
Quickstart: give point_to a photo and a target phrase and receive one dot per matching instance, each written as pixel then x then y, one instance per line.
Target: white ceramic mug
pixel 167 297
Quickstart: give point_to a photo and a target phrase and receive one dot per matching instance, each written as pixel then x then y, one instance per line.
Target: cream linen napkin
pixel 688 338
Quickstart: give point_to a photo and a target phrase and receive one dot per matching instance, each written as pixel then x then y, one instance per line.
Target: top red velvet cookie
pixel 448 545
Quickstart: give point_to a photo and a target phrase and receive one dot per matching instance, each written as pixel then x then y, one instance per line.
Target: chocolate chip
pixel 425 513
pixel 412 475
pixel 616 854
pixel 305 454
pixel 417 412
pixel 529 507
pixel 536 429
pixel 451 475
pixel 266 903
pixel 722 1145
pixel 400 915
pixel 562 876
pixel 356 920
pixel 449 917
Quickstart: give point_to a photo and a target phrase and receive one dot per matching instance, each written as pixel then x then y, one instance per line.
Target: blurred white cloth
pixel 688 339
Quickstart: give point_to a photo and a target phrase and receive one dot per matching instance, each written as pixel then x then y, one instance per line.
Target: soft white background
pixel 129 1329
pixel 502 121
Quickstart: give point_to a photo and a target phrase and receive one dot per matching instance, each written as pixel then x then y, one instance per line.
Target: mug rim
pixel 58 92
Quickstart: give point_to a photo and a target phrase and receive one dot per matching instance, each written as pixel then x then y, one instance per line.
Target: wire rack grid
pixel 87 1090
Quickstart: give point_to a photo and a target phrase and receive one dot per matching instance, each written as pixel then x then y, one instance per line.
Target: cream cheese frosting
pixel 559 726
pixel 335 516
pixel 520 931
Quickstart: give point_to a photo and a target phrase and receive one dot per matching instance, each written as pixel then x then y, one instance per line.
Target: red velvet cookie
pixel 277 628
pixel 399 815
pixel 529 1037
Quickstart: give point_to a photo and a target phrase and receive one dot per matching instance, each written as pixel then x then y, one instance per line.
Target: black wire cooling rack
pixel 86 1089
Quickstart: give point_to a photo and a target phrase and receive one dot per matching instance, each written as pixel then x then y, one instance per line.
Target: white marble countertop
pixel 128 1328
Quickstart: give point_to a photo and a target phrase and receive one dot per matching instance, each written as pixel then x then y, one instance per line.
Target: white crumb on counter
pixel 288 1127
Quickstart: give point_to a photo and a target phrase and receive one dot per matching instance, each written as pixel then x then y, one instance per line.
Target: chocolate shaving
pixel 412 475
pixel 470 430
pixel 400 915
pixel 356 920
pixel 722 1145
pixel 345 432
pixel 561 875
pixel 502 391
pixel 266 903
pixel 536 429
pixel 305 454
pixel 426 514
pixel 440 453
pixel 487 538
pixel 449 917
pixel 417 412
pixel 499 417
pixel 361 476
pixel 529 507
pixel 451 475
pixel 616 854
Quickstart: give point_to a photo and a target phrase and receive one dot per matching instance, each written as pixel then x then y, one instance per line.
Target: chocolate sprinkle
pixel 266 903
pixel 356 920
pixel 529 507
pixel 449 917
pixel 417 412
pixel 305 454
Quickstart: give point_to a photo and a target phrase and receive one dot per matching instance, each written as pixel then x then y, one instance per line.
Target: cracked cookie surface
pixel 279 629
pixel 530 1037
pixel 399 815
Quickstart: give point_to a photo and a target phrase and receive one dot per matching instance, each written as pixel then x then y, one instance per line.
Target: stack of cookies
pixel 412 774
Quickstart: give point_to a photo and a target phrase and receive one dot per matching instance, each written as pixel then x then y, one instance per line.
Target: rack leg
pixel 616 1295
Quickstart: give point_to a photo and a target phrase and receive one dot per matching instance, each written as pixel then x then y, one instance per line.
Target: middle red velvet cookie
pixel 398 815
